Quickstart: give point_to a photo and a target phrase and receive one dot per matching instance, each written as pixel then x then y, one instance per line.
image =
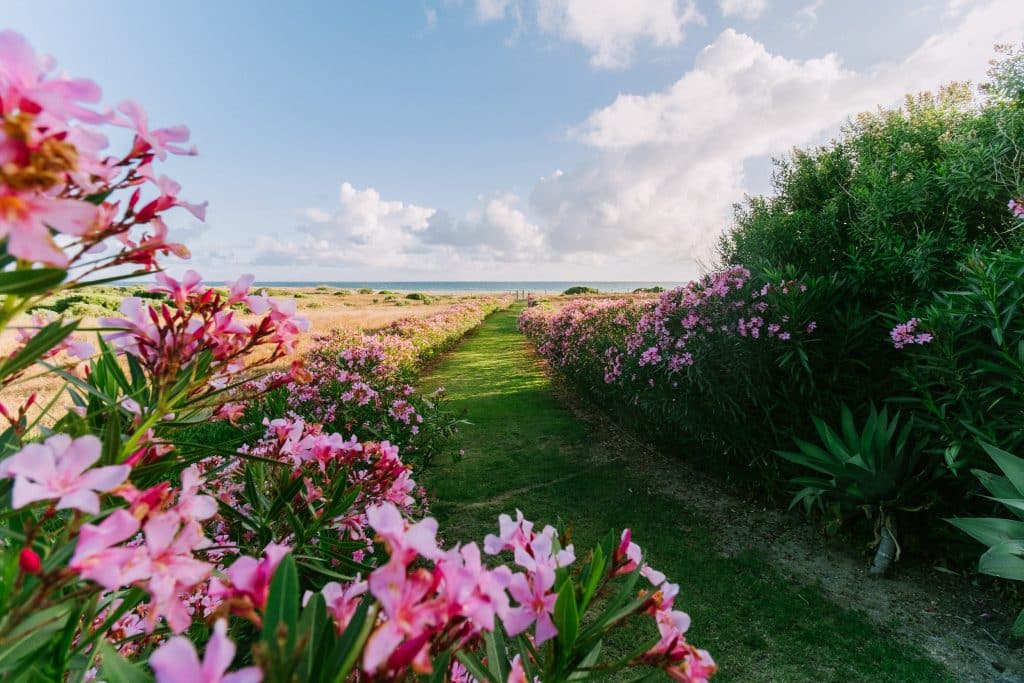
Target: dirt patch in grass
pixel 952 620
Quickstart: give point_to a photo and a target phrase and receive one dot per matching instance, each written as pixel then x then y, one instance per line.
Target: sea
pixel 477 286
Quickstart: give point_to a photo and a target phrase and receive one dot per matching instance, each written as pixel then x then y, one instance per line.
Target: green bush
pixel 579 289
pixel 967 384
pixel 365 290
pixel 419 296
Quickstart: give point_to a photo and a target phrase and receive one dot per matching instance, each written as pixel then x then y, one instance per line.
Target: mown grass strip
pixel 525 450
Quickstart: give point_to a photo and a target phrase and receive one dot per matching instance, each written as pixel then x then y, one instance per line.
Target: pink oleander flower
pixel 536 604
pixel 173 568
pixel 179 291
pixel 250 578
pixel 1017 208
pixel 176 661
pixel 100 557
pixel 239 289
pixel 403 637
pixel 516 673
pixel 405 542
pixel 627 555
pixel 159 141
pixel 342 601
pixel 59 468
pixel 25 220
pixel 907 333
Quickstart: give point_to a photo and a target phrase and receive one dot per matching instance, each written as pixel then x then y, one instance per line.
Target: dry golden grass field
pixel 326 308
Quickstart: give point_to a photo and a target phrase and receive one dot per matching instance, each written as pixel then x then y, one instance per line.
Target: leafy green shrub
pixel 880 470
pixel 365 290
pixel 967 384
pixel 419 296
pixel 1004 537
pixel 579 289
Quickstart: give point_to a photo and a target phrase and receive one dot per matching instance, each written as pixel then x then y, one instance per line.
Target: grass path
pixel 525 450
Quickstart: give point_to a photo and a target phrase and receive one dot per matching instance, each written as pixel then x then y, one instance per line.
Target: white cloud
pixel 669 165
pixel 745 9
pixel 610 29
pixel 367 231
pixel 807 16
pixel 492 10
pixel 494 229
pixel 430 14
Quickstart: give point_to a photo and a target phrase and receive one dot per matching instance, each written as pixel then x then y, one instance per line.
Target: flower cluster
pixel 907 333
pixel 197 324
pixel 56 175
pixel 1016 207
pixel 649 343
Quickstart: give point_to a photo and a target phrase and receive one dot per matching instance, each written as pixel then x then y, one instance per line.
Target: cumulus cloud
pixel 668 165
pixel 610 29
pixel 497 228
pixel 366 230
pixel 745 9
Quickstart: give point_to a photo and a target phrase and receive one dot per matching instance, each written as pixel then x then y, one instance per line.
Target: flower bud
pixel 29 561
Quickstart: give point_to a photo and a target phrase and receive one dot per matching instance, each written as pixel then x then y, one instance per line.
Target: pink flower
pixel 173 569
pixel 59 468
pixel 402 638
pixel 904 334
pixel 179 291
pixel 176 661
pixel 159 141
pixel 536 604
pixel 516 673
pixel 249 577
pixel 99 557
pixel 1017 207
pixel 23 79
pixel 342 601
pixel 25 220
pixel 239 289
pixel 404 544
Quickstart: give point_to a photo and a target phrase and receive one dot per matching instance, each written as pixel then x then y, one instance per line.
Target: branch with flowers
pixel 297 550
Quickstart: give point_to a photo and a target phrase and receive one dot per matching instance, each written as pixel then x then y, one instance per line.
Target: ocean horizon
pixel 470 286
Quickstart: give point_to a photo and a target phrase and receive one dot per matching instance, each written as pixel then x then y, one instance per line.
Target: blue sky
pixel 493 139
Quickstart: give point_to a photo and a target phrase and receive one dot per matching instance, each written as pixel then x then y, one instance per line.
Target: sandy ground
pixel 324 309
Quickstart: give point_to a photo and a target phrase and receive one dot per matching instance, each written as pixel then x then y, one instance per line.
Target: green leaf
pixel 990 530
pixel 44 340
pixel 282 603
pixel 475 667
pixel 567 617
pixel 116 669
pixel 1000 562
pixel 1011 465
pixel 28 282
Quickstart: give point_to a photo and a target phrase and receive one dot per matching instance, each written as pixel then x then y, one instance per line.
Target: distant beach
pixel 481 286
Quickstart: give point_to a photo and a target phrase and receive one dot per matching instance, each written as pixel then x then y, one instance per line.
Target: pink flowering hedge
pixel 700 360
pixel 192 517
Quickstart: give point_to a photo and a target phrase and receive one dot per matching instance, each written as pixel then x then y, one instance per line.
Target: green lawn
pixel 524 450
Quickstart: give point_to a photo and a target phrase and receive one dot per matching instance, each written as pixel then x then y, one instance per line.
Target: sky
pixel 496 139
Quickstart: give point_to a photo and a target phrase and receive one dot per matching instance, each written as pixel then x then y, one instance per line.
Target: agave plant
pixel 1004 537
pixel 878 469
